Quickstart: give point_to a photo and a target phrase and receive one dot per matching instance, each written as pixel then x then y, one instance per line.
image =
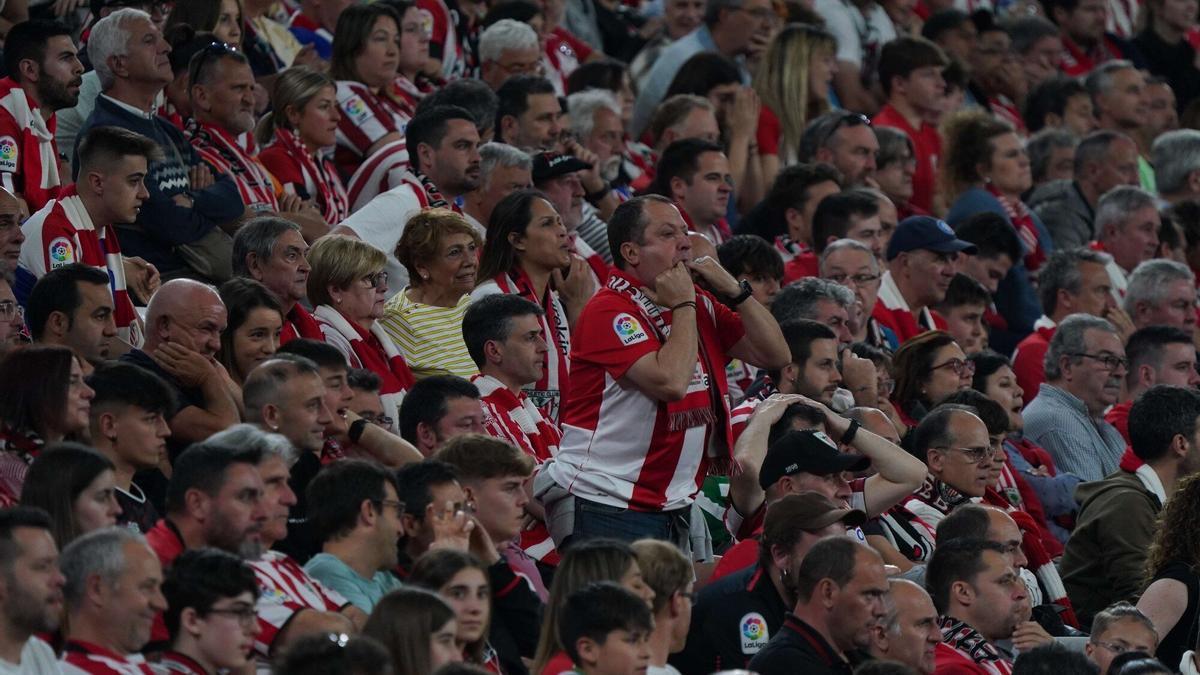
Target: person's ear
pixel 676 605
pixel 588 650
pixel 106 425
pixel 1052 120
pixel 508 128
pixel 254 266
pixel 1146 376
pixel 292 115
pixel 827 591
pixel 1193 182
pixel 95 181
pixel 629 251
pixel 410 525
pixel 790 372
pixel 936 460
pixel 780 556
pixel 190 621
pixel 272 416
pixel 57 324
pixel 963 593
pixel 492 351
pixel 196 504
pixel 517 241
pixel 335 294
pixel 366 513
pixel 426 435
pixel 823 154
pixel 678 186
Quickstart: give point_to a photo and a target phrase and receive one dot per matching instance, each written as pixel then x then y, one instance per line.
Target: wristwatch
pixel 738 299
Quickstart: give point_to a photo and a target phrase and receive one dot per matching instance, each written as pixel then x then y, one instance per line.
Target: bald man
pixel 910 632
pixel 184 322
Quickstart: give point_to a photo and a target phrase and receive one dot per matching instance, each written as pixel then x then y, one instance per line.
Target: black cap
pixel 806 451
pixel 547 165
pixel 926 232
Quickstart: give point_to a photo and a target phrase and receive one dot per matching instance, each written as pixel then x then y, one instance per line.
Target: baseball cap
pixel 809 511
pixel 806 451
pixel 547 165
pixel 926 232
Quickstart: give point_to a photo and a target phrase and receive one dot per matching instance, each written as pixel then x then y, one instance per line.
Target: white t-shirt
pixel 859 38
pixel 36 659
pixel 662 670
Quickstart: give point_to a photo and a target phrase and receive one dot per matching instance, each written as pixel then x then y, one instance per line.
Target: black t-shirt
pixel 798 648
pixel 1176 63
pixel 1181 637
pixel 733 619
pixel 137 509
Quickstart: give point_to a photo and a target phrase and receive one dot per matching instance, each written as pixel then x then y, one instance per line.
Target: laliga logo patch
pixel 753 634
pixel 8 153
pixel 629 330
pixel 357 110
pixel 60 253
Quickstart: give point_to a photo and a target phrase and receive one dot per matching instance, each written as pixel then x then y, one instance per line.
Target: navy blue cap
pixel 926 232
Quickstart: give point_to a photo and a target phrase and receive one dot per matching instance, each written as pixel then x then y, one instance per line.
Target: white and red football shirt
pixel 367 117
pixel 86 658
pixel 512 417
pixel 618 448
pixel 284 589
pixel 28 152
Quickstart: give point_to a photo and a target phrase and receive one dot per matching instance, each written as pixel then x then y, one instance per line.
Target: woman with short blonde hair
pixel 424 320
pixel 347 286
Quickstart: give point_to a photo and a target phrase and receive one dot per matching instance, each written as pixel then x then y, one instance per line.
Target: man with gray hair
pixel 1127 224
pixel 683 116
pixel 503 169
pixel 1084 367
pixel 1103 161
pixel 508 48
pixel 1176 157
pixel 187 206
pixel 272 251
pixel 910 632
pixel 595 120
pixel 1072 281
pixel 113 594
pixel 1162 293
pixel 852 264
pixel 820 300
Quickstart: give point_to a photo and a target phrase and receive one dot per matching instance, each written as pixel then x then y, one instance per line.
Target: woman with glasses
pixel 347 286
pixel 77 486
pixel 1172 574
pixel 1055 491
pixel 210 613
pixel 45 401
pixel 424 320
pixel 895 166
pixel 928 368
pixel 252 331
pixel 984 167
pixel 461 580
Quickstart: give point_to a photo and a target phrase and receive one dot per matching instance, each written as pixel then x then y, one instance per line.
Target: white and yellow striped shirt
pixel 429 337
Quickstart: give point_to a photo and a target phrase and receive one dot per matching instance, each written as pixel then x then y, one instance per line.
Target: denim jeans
pixel 594 520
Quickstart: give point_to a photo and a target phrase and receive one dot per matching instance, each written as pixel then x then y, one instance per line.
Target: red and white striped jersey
pixel 366 118
pixel 85 658
pixel 442 29
pixel 284 589
pixel 619 445
pixel 28 151
pixel 512 417
pixel 547 392
pixel 237 157
pixel 61 233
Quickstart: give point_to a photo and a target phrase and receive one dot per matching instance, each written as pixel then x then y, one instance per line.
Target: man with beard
pixel 79 225
pixel 695 175
pixel 443 147
pixel 840 588
pixel 44 76
pixel 113 595
pixel 980 599
pixel 31 591
pixel 222 96
pixel 1104 557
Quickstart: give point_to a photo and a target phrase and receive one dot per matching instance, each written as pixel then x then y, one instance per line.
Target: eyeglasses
pixel 886 387
pixel 339 639
pixel 378 280
pixel 972 455
pixel 1115 647
pixel 214 50
pixel 392 503
pixel 1109 361
pixel 10 310
pixel 246 616
pixel 960 367
pixel 845 119
pixel 856 279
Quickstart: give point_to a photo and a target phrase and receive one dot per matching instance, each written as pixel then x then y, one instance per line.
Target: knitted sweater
pixel 162 224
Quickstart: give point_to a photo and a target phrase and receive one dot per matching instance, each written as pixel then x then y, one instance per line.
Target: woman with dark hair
pixel 418 629
pixel 45 401
pixel 412 82
pixel 1167 46
pixel 77 486
pixel 526 253
pixel 928 368
pixel 1171 598
pixel 462 581
pixel 583 563
pixel 222 18
pixel 255 321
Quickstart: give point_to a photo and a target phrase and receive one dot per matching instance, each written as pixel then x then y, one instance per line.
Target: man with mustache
pixel 1105 555
pixel 31 590
pixel 443 148
pixel 44 77
pixel 1085 365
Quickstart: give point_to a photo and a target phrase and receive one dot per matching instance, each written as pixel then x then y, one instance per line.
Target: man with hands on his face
pixel 651 353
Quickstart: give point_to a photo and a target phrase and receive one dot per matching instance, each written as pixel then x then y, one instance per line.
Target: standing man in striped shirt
pixel 651 354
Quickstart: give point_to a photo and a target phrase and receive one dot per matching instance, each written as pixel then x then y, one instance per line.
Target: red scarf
pixel 373 352
pixel 300 324
pixel 1022 222
pixel 226 155
pixel 705 403
pixel 331 194
pixel 969 644
pixel 513 417
pixel 548 391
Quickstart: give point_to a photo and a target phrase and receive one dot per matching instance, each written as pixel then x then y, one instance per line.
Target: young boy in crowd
pixel 606 630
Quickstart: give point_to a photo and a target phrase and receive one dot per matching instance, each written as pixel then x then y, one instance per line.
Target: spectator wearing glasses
pixel 922 257
pixel 508 48
pixel 1084 367
pixel 1117 629
pixel 348 285
pixel 210 612
pixel 366 402
pixel 851 264
pixel 1106 556
pixel 1157 355
pixel 953 441
pixel 355 512
pixel 927 369
pixel 845 140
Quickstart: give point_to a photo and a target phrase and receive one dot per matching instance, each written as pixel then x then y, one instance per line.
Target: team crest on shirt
pixel 753 633
pixel 629 330
pixel 8 153
pixel 357 110
pixel 60 253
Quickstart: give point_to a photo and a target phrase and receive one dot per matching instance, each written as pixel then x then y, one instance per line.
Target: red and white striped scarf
pixel 970 644
pixel 546 392
pixel 376 352
pixel 226 155
pixel 1022 222
pixel 512 416
pixel 320 177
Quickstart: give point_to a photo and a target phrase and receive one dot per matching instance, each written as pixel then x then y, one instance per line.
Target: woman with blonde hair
pixel 347 286
pixel 298 136
pixel 424 320
pixel 793 84
pixel 417 628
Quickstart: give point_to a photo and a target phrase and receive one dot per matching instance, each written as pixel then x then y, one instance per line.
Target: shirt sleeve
pixel 613 335
pixel 335 576
pixel 285 169
pixel 380 222
pixel 363 121
pixel 728 324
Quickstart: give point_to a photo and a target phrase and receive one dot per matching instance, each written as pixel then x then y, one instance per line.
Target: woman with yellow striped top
pixel 424 320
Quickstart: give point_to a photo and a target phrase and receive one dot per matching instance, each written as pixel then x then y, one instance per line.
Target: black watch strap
pixel 747 291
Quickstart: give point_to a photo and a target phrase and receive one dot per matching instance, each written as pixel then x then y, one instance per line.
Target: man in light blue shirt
pixel 1085 366
pixel 731 28
pixel 355 513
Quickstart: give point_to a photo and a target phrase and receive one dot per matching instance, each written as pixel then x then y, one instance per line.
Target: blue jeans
pixel 594 520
